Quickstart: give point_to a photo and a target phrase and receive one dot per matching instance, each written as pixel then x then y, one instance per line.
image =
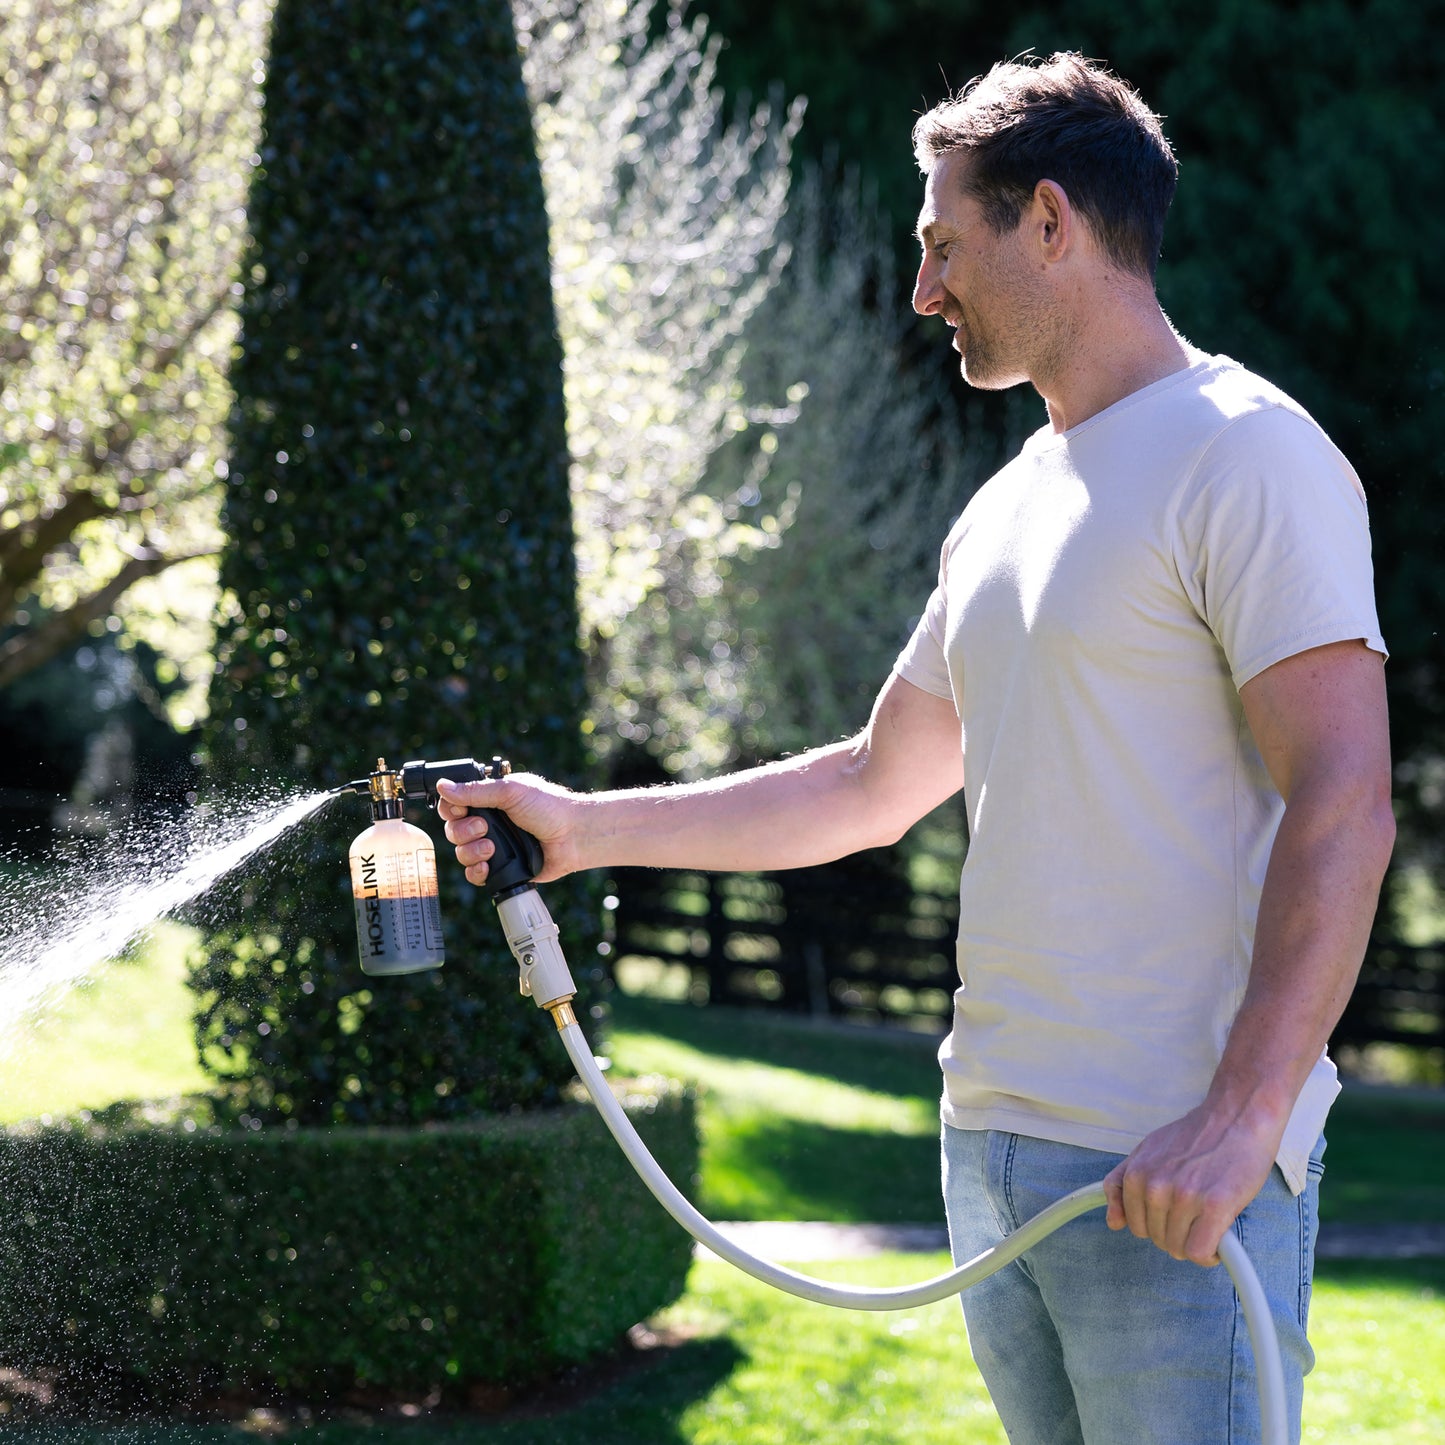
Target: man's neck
pixel 1125 344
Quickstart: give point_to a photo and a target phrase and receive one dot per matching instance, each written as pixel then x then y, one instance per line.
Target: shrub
pixel 491 1251
pixel 400 576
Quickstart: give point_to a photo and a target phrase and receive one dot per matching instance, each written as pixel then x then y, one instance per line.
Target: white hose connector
pixel 1268 1366
pixel 532 936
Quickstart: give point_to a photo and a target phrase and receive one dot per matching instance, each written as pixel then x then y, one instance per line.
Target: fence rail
pixel 1399 999
pixel 855 940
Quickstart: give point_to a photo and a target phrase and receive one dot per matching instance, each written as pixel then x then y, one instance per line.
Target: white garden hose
pixel 1262 1338
pixel 533 939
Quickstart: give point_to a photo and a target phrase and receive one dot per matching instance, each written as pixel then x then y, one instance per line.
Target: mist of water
pixel 60 927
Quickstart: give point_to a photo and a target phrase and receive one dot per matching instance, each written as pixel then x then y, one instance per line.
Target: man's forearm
pixel 805 810
pixel 821 805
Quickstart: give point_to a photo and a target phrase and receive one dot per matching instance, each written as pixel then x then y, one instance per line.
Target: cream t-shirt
pixel 1100 602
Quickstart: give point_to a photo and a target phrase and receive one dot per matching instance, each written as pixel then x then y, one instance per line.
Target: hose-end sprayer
pixel 394 881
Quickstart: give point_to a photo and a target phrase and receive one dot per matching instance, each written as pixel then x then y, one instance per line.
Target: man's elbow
pixel 1367 814
pixel 1348 816
pixel 887 802
pixel 891 830
pixel 1381 823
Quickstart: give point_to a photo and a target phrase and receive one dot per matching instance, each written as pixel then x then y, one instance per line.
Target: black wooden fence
pixel 1399 999
pixel 852 939
pixel 856 940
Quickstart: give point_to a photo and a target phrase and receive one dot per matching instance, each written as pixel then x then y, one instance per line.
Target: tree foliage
pixel 734 360
pixel 1303 131
pixel 665 238
pixel 128 129
pixel 399 575
pixel 875 460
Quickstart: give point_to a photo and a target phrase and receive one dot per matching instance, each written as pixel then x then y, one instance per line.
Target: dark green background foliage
pixel 1305 131
pixel 401 545
pixel 324 1258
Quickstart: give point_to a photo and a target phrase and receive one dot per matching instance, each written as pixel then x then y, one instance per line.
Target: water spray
pixel 398 872
pixel 60 932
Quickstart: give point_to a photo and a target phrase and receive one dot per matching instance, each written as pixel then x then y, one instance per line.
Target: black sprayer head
pixel 419 779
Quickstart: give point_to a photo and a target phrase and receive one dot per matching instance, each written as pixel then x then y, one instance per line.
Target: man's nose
pixel 928 288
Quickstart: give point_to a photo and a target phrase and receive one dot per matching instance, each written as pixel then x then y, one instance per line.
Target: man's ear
pixel 1052 221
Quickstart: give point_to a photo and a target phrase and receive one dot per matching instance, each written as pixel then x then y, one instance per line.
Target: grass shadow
pixel 764 1167
pixel 1385 1163
pixel 638 1395
pixel 1410 1276
pixel 646 1405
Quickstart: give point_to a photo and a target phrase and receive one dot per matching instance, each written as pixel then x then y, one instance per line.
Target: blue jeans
pixel 1095 1337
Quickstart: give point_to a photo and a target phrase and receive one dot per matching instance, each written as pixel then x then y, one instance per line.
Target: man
pixel 1155 632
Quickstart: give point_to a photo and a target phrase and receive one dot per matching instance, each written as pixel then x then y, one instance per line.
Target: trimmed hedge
pixel 488 1252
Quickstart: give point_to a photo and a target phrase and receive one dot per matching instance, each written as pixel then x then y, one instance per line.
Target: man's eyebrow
pixel 933 231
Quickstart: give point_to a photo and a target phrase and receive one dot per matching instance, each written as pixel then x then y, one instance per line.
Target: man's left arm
pixel 1319 719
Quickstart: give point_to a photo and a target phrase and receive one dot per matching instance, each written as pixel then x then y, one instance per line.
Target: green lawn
pixel 749 1366
pixel 798 1122
pixel 126 1034
pixel 1378 1329
pixel 801 1122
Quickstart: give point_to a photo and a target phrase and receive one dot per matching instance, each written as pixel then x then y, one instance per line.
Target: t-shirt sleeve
pixel 923 661
pixel 1274 543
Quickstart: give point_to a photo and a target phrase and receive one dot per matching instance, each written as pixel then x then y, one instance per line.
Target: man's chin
pixel 984 377
pixel 984 372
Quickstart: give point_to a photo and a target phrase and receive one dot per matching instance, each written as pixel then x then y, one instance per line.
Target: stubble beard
pixel 1022 347
pixel 982 367
pixel 984 361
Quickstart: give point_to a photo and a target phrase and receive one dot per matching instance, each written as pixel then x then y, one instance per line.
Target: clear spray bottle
pixel 394 884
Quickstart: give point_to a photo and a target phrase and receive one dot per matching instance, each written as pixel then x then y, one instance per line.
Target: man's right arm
pixel 861 793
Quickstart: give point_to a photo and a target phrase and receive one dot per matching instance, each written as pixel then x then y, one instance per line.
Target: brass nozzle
pixel 385 783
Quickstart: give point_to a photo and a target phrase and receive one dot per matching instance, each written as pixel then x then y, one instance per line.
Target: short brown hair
pixel 1069 120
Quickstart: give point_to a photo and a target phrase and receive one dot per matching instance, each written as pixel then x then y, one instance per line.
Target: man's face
pixel 977 281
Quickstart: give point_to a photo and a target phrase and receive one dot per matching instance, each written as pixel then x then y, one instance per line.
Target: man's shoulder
pixel 1235 390
pixel 1255 445
pixel 1225 393
pixel 1245 414
pixel 1227 417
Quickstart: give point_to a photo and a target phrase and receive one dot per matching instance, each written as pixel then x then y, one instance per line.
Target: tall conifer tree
pixel 399 576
